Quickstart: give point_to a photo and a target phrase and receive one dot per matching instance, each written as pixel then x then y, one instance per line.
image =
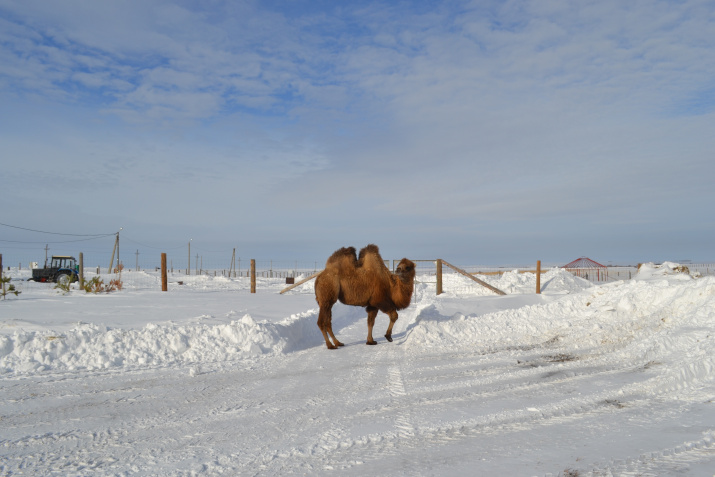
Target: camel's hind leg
pixel 393 319
pixel 371 314
pixel 326 294
pixel 330 332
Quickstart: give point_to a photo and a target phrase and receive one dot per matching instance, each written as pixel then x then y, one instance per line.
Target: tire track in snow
pixel 351 451
pixel 378 380
pixel 77 414
pixel 676 460
pixel 403 418
pixel 308 421
pixel 400 407
pixel 404 404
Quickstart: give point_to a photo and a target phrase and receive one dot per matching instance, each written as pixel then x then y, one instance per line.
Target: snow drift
pixel 90 346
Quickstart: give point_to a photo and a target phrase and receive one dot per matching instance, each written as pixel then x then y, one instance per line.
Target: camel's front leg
pixel 371 314
pixel 325 317
pixel 393 319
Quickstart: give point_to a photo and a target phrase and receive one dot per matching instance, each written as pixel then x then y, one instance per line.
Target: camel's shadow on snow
pixel 304 333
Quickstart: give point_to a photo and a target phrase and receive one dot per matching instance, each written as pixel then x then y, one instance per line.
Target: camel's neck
pixel 401 292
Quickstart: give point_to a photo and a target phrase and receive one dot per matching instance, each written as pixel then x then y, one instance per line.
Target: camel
pixel 362 281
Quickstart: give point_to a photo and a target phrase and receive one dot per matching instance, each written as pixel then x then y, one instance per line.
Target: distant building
pixel 589 269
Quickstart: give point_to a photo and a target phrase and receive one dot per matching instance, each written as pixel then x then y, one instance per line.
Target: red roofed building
pixel 589 269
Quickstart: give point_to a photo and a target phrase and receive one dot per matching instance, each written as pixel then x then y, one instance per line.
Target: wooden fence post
pixel 538 277
pixel 81 271
pixel 253 275
pixel 164 280
pixel 439 276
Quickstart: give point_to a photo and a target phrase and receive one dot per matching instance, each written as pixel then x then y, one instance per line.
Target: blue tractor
pixel 63 269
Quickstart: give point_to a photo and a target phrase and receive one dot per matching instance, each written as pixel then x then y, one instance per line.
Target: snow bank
pixel 634 317
pixel 649 271
pixel 92 347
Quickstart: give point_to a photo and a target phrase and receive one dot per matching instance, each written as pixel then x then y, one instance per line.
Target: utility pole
pixel 47 247
pixel 111 260
pixel 115 249
pixel 120 228
pixel 81 270
pixel 137 266
pixel 188 264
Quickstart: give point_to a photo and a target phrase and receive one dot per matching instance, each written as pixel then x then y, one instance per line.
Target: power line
pixel 210 251
pixel 57 233
pixel 64 241
pixel 124 237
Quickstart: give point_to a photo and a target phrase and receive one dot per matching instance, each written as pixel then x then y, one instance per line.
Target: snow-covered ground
pixel 209 379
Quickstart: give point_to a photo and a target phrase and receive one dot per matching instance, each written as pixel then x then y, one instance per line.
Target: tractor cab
pixel 64 261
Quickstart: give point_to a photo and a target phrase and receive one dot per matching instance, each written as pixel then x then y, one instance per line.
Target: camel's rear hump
pixel 345 254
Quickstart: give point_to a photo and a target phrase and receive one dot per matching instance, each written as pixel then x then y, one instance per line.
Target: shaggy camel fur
pixel 363 281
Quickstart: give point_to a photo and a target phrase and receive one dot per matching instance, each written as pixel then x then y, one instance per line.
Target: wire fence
pixel 212 273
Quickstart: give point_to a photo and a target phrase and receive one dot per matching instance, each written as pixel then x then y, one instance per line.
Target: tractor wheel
pixel 63 279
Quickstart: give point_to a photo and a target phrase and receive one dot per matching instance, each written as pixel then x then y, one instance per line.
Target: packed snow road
pixel 608 380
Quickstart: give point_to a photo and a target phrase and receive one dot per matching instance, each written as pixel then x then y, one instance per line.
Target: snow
pixel 207 379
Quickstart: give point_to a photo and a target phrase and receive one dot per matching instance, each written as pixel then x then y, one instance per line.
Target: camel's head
pixel 405 270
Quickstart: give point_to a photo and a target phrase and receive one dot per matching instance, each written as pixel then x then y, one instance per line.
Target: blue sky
pixel 486 132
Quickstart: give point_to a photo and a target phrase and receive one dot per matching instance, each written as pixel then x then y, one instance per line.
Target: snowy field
pixel 208 379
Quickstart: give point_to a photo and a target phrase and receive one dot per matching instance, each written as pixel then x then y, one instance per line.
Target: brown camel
pixel 363 281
